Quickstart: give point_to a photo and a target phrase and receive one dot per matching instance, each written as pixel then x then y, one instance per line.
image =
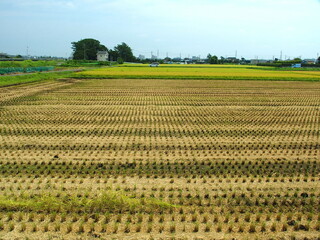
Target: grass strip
pixel 107 202
pixel 34 77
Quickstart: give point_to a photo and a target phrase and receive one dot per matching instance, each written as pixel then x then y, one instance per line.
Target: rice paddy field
pixel 102 156
pixel 194 71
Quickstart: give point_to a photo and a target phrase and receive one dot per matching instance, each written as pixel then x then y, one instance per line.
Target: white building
pixel 102 56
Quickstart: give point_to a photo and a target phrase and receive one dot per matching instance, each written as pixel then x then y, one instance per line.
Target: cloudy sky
pixel 253 28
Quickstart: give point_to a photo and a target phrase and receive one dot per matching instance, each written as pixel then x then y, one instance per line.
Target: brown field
pixel 160 159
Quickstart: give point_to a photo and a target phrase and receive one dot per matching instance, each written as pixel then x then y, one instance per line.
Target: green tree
pixel 86 49
pixel 113 55
pixel 119 60
pixel 209 56
pixel 214 60
pixel 297 60
pixel 124 52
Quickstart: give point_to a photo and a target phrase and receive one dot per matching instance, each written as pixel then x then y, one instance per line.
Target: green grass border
pixel 11 80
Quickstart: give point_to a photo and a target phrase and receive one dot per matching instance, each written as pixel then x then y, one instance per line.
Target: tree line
pixel 86 49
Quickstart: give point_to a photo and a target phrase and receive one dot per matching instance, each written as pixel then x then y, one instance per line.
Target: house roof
pixel 102 52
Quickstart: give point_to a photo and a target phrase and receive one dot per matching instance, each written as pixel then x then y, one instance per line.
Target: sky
pixel 228 28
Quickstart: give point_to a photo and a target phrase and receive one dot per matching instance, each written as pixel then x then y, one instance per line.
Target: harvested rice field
pixel 160 159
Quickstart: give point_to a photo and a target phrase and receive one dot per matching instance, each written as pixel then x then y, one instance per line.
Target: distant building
pixel 309 61
pixel 4 55
pixel 176 59
pixel 195 58
pixel 102 56
pixel 232 59
pixel 256 61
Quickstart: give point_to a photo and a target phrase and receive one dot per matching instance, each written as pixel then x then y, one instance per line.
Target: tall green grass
pixel 19 79
pixel 27 63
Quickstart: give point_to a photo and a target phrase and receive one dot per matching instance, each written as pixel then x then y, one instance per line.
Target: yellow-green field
pixel 222 72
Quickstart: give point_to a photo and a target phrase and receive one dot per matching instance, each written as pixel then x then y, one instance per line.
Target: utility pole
pixel 281 55
pixel 158 54
pixel 236 53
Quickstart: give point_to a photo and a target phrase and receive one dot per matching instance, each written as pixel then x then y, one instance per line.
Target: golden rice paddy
pixel 201 72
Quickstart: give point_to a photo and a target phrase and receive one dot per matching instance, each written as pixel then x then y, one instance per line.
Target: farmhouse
pixel 309 61
pixel 4 55
pixel 102 56
pixel 256 61
pixel 231 59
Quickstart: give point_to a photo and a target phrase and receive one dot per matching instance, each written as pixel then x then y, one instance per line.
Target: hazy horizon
pixel 252 28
